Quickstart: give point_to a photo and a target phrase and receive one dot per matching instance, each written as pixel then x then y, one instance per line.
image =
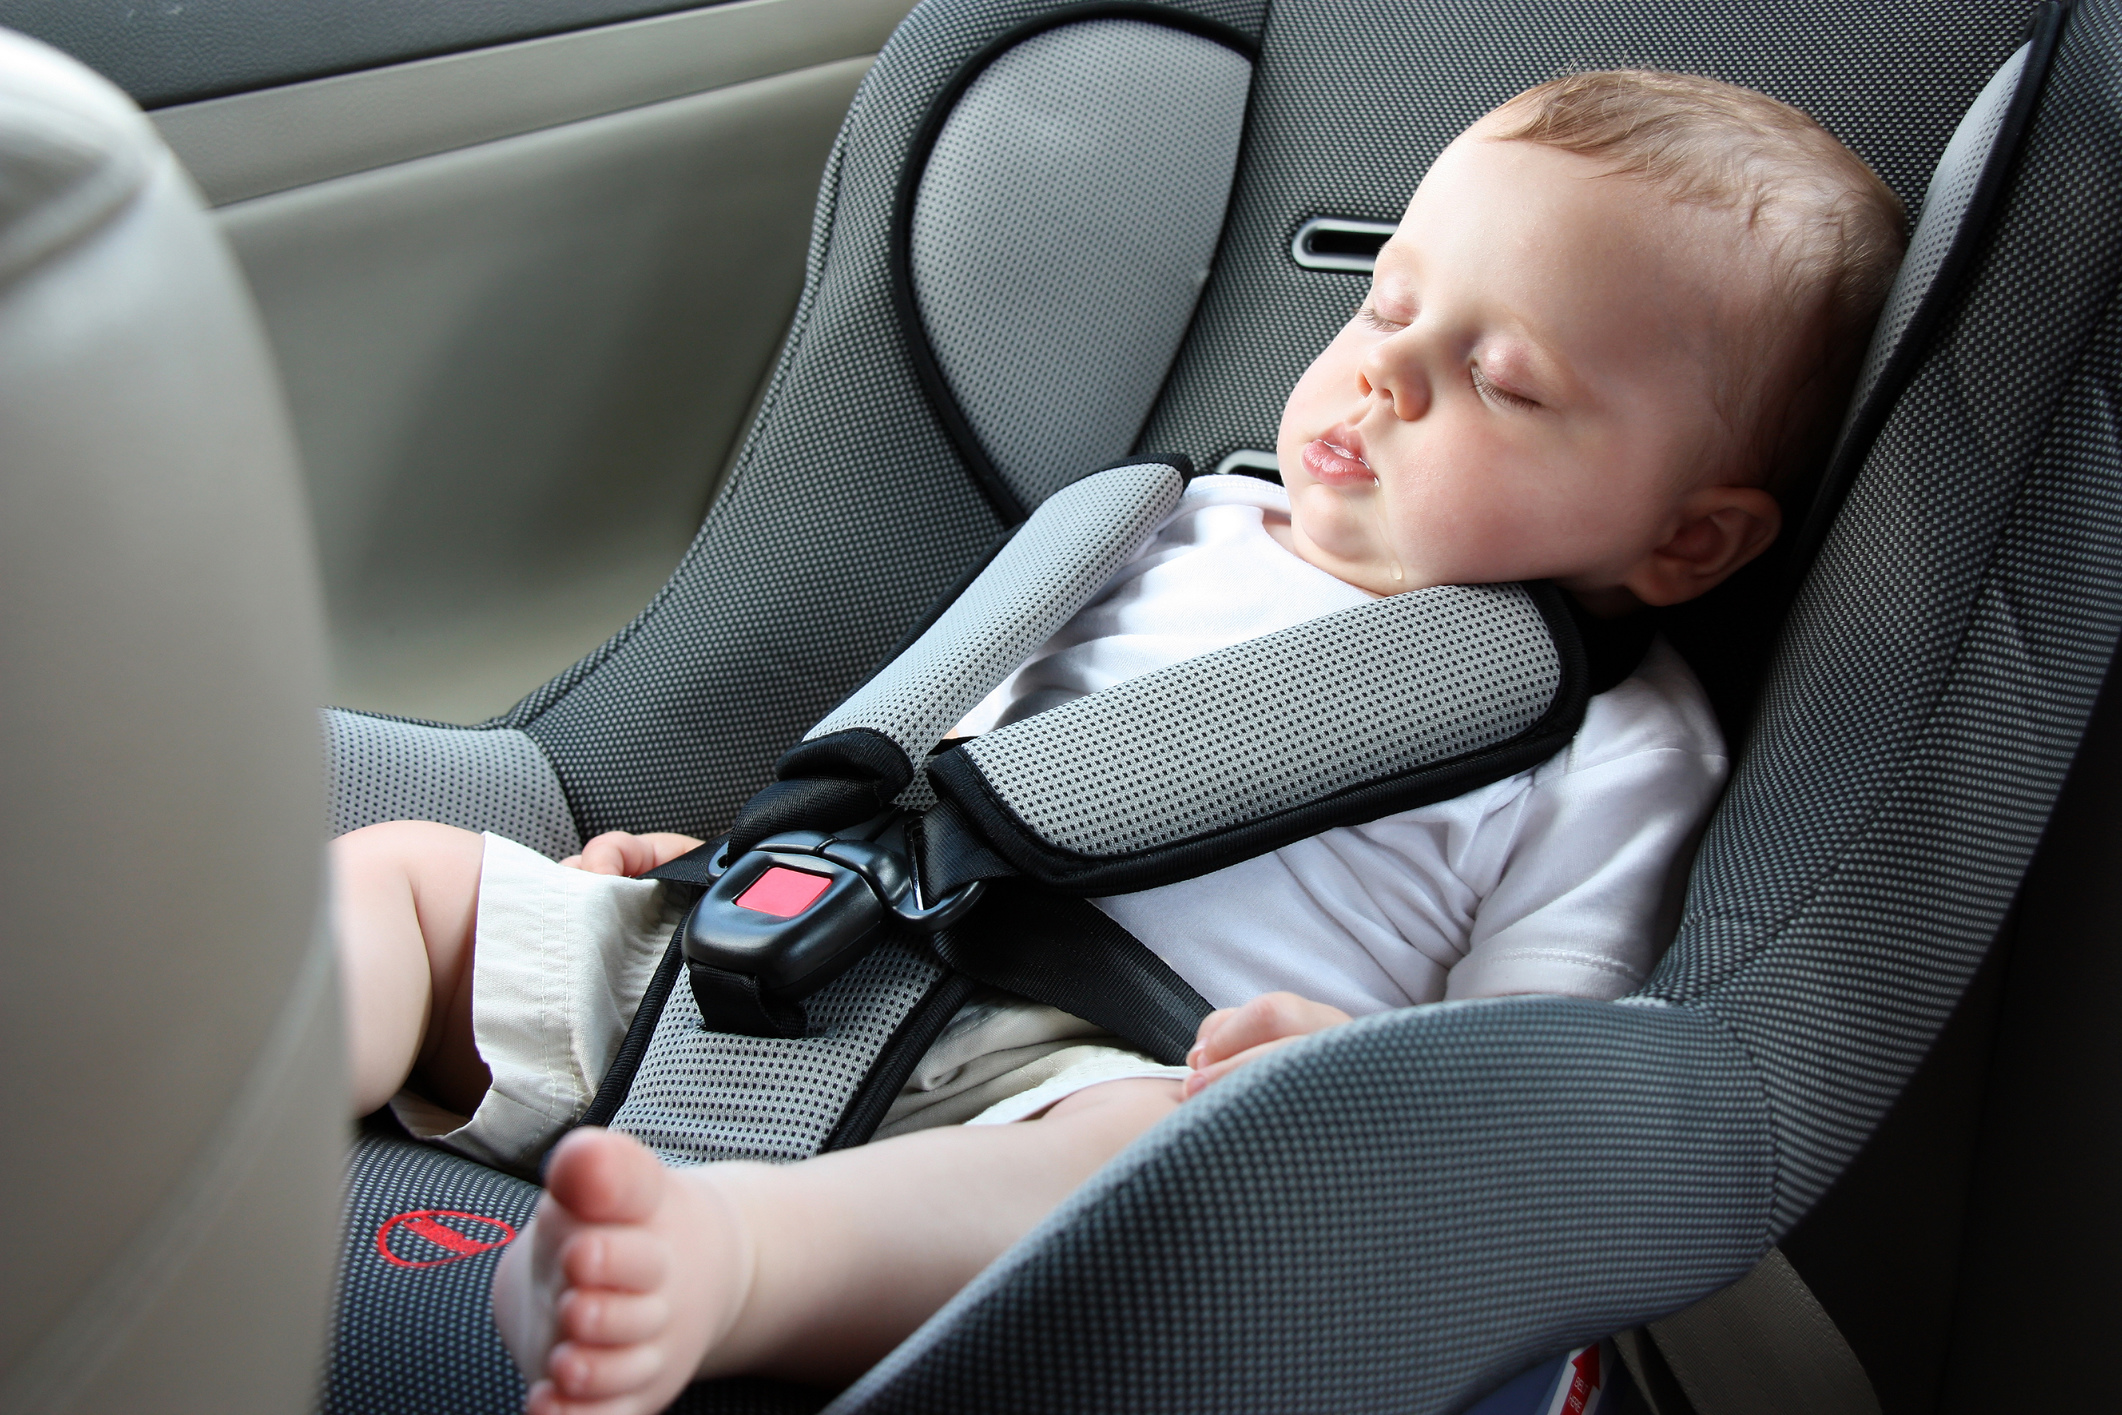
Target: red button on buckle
pixel 783 892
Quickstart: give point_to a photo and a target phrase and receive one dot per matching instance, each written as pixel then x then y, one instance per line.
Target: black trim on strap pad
pixel 619 1079
pixel 887 1076
pixel 1062 951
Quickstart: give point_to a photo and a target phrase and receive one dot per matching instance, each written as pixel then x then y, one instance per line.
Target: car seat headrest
pixel 72 151
pixel 168 1020
pixel 1056 224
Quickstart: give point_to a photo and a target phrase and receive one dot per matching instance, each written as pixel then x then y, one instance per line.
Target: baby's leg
pixel 635 1279
pixel 405 904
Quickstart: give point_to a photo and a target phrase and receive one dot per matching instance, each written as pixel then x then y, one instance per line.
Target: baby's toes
pixel 585 1372
pixel 621 1259
pixel 545 1399
pixel 604 1318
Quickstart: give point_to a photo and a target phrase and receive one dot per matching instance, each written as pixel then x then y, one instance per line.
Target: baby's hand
pixel 618 853
pixel 1235 1035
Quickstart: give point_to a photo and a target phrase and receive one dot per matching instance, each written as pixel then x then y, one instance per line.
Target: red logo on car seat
pixel 1578 1393
pixel 409 1240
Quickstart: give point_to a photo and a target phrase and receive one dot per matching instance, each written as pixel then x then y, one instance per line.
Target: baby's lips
pixel 1335 465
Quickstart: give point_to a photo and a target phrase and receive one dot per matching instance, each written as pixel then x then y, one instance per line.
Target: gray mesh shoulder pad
pixel 1346 718
pixel 1052 566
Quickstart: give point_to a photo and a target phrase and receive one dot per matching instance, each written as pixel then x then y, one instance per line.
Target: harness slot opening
pixel 1340 243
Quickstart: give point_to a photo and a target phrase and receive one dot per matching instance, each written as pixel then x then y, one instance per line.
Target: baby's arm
pixel 1231 1037
pixel 617 852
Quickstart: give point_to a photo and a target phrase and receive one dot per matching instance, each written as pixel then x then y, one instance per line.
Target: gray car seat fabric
pixel 1400 1214
pixel 169 1028
pixel 1019 224
pixel 496 779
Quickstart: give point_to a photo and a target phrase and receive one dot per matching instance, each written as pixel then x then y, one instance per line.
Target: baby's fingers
pixel 1206 1075
pixel 1271 1015
pixel 611 853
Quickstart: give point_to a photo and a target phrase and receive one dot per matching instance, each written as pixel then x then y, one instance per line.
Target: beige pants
pixel 562 958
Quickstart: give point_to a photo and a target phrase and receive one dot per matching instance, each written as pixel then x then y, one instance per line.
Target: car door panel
pixel 522 298
pixel 177 53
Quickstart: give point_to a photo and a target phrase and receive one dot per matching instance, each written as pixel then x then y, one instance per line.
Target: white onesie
pixel 1561 879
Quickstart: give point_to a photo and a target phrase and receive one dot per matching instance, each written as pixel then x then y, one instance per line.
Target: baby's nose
pixel 1404 383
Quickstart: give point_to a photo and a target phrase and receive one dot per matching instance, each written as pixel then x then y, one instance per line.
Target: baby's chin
pixel 1361 566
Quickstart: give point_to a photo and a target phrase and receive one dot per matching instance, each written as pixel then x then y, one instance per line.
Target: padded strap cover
pixel 696 1096
pixel 1346 718
pixel 1049 570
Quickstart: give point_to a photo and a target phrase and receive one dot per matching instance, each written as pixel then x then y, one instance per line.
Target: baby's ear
pixel 1721 528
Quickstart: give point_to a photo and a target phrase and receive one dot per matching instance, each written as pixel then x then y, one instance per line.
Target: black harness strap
pixel 951 854
pixel 1063 951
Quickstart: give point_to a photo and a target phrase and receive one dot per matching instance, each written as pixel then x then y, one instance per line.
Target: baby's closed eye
pixel 1493 392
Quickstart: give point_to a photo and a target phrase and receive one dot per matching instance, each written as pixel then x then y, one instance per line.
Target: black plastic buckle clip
pixel 789 916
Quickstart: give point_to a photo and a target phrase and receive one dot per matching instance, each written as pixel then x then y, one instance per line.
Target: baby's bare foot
pixel 628 1275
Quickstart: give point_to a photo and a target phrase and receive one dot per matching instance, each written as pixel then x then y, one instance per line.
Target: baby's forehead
pixel 1548 196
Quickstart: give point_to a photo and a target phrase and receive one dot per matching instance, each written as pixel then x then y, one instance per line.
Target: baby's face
pixel 1527 393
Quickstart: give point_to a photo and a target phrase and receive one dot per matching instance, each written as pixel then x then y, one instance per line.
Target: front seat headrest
pixel 175 1112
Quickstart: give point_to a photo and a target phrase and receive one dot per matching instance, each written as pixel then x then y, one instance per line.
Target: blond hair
pixel 1832 231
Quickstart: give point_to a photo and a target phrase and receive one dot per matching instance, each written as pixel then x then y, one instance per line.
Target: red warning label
pixel 430 1238
pixel 1577 1393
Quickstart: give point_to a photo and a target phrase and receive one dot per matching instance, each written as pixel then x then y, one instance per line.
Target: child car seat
pixel 1402 1213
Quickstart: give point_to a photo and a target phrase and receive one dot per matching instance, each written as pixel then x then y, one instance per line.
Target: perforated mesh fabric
pixel 388 1314
pixel 1353 696
pixel 702 1095
pixel 1049 569
pixel 417 1340
pixel 1394 1216
pixel 493 779
pixel 1352 100
pixel 1937 670
pixel 1063 231
pixel 1945 203
pixel 847 511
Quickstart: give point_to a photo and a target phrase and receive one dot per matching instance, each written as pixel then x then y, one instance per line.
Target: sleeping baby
pixel 1621 311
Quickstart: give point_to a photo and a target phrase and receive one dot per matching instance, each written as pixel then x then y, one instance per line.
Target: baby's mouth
pixel 1338 461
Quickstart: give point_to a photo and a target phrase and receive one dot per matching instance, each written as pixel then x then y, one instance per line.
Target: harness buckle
pixel 795 912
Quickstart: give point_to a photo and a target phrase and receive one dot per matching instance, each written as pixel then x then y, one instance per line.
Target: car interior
pixel 574 401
